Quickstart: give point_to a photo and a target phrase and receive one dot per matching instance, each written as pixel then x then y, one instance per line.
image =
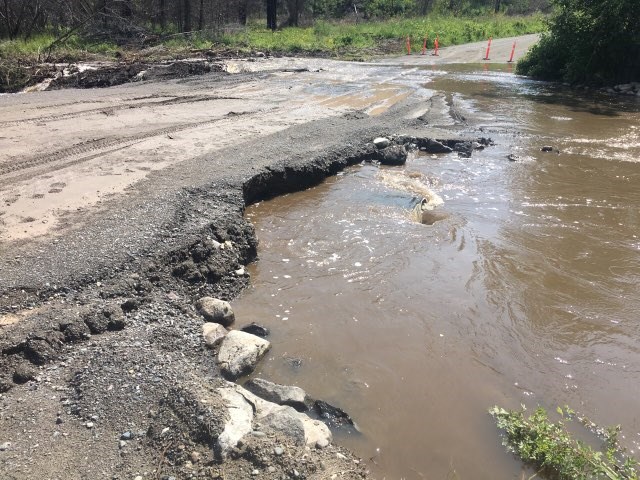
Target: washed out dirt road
pixel 110 202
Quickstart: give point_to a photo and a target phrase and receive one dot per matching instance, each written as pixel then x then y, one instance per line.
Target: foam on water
pixel 414 183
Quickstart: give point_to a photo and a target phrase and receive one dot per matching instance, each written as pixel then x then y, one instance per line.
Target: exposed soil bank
pixel 145 377
pixel 104 369
pixel 102 348
pixel 25 75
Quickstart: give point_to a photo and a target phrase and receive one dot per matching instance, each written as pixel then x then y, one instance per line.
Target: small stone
pixel 281 394
pixel 59 421
pixel 259 434
pixel 296 473
pixel 130 305
pixel 139 477
pixel 122 444
pixel 216 311
pixel 271 469
pixel 76 332
pixel 240 352
pixel 89 424
pixel 5 446
pixel 381 142
pixel 393 155
pixel 547 148
pixel 256 329
pixel 126 436
pixel 255 472
pixel 278 451
pixel 322 443
pixel 213 333
pixel 240 272
pixel 23 374
pixel 195 457
pixel 340 456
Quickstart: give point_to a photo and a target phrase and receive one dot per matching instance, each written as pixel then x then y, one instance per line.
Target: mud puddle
pixel 525 291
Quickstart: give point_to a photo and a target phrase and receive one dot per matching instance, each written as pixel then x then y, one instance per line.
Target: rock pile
pixel 261 407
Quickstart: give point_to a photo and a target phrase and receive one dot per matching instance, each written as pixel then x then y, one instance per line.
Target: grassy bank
pixel 19 58
pixel 370 38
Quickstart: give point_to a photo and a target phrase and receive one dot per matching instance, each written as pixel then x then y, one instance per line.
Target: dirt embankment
pixel 104 370
pixel 157 63
pixel 107 375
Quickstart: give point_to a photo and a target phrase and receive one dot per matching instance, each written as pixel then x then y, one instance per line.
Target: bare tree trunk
pixel 497 6
pixel 163 14
pixel 103 13
pixel 127 9
pixel 293 6
pixel 6 14
pixel 37 11
pixel 242 12
pixel 425 5
pixel 272 14
pixel 186 25
pixel 201 16
pixel 14 30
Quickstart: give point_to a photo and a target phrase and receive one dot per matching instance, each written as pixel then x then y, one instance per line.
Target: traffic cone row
pixel 436 47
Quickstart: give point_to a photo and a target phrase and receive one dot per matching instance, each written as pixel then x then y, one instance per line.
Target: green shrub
pixel 550 448
pixel 589 42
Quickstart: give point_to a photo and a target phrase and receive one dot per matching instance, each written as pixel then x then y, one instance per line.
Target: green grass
pixel 37 47
pixel 19 58
pixel 336 38
pixel 330 38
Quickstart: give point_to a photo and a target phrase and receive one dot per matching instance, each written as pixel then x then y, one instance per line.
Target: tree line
pixel 122 19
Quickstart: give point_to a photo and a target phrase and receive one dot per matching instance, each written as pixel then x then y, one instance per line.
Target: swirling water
pixel 526 291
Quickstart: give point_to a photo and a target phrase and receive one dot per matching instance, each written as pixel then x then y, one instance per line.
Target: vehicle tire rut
pixel 17 164
pixel 110 110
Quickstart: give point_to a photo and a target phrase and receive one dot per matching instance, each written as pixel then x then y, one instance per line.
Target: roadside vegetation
pixel 62 31
pixel 327 37
pixel 552 450
pixel 590 43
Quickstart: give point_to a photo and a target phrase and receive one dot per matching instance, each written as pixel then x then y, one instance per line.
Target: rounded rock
pixel 213 333
pixel 216 311
pixel 381 142
pixel 322 443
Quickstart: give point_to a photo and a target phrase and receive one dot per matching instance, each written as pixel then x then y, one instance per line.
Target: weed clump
pixel 550 448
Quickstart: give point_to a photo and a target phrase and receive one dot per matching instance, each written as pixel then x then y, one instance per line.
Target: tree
pixel 293 8
pixel 594 42
pixel 186 25
pixel 272 14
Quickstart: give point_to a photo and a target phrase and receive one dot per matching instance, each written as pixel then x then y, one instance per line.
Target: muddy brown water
pixel 525 292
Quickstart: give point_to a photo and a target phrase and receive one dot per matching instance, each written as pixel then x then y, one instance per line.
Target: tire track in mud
pixel 103 145
pixel 110 110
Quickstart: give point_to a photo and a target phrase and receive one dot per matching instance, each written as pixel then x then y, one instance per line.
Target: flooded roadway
pixel 524 292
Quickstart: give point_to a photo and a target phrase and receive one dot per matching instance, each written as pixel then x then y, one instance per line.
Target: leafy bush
pixel 549 447
pixel 589 42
